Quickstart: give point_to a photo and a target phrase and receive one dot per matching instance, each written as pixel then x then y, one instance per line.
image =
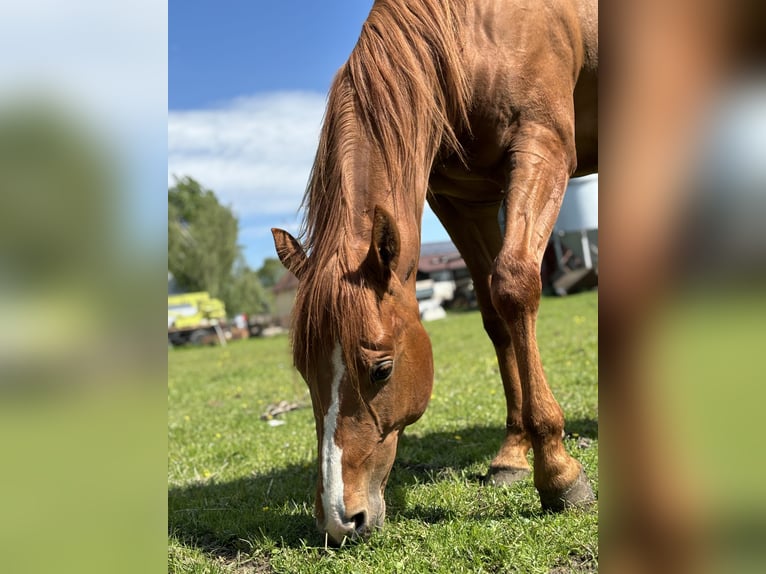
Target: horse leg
pixel 539 174
pixel 476 234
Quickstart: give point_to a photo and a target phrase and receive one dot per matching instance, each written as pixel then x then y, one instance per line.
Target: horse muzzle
pixel 356 525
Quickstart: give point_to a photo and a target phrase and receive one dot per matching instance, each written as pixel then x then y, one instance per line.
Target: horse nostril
pixel 360 521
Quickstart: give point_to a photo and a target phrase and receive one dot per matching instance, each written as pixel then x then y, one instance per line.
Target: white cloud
pixel 255 153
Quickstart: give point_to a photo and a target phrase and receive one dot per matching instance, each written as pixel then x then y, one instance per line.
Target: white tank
pixel 579 210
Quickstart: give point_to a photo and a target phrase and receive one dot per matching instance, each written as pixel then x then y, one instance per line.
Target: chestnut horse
pixel 476 106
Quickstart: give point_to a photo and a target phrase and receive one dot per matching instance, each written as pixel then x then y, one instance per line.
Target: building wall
pixel 283 306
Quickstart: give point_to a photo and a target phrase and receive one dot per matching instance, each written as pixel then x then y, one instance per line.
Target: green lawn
pixel 241 491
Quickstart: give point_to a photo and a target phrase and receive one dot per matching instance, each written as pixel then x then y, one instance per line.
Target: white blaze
pixel 332 475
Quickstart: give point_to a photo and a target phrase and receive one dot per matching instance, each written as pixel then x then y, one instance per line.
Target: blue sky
pixel 247 82
pixel 222 50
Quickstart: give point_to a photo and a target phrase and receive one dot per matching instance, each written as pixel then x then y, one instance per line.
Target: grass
pixel 241 491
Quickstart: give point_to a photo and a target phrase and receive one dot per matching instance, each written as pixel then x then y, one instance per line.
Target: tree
pixel 202 238
pixel 244 293
pixel 270 272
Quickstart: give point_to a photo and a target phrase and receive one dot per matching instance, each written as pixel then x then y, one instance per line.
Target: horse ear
pixel 383 256
pixel 290 252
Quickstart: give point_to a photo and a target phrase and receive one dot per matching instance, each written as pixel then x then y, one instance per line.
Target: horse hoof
pixel 577 495
pixel 499 476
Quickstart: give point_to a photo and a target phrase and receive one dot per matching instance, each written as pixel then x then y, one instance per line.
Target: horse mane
pixel 402 90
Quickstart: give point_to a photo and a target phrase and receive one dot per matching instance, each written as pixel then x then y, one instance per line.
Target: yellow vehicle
pixel 193 316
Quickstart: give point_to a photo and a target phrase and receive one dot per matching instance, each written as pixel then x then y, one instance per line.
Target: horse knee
pixel 496 330
pixel 516 287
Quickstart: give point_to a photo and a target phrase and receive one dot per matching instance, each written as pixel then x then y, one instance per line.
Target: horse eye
pixel 381 371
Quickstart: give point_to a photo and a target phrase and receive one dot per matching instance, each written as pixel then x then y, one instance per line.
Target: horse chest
pixel 482 176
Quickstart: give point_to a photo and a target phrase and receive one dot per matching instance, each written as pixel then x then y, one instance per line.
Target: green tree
pixel 202 238
pixel 245 293
pixel 270 272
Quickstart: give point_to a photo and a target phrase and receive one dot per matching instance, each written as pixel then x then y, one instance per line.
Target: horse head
pixel 367 360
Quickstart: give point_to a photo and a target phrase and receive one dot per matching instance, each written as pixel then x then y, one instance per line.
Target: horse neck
pixel 349 181
pixel 375 150
pixel 396 102
pixel 400 194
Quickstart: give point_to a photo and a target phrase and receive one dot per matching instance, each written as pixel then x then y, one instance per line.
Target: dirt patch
pixel 243 564
pixel 577 564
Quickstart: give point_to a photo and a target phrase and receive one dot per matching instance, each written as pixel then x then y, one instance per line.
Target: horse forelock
pixel 331 308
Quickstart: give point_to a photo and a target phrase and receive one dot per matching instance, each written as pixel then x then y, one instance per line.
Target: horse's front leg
pixel 477 237
pixel 540 167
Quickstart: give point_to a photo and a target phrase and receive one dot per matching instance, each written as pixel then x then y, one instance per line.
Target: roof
pixel 439 257
pixel 433 257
